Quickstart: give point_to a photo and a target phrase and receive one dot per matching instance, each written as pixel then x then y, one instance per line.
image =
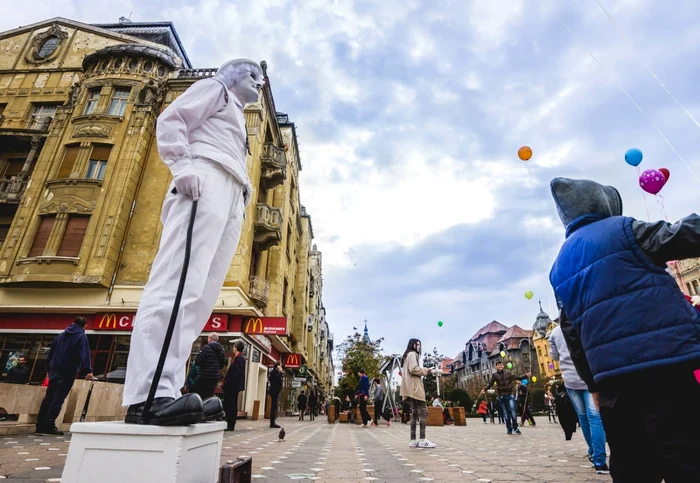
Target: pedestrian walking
pixel 275 379
pixel 628 327
pixel 234 383
pixel 582 401
pixel 412 390
pixel 363 397
pixel 504 380
pixel 19 373
pixel 302 401
pixel 313 404
pixel 210 360
pixel 525 405
pixel 550 406
pixel 379 396
pixel 69 355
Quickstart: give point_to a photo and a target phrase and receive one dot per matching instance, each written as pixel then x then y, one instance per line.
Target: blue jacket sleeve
pixel 85 363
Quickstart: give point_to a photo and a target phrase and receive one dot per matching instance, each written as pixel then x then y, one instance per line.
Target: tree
pixel 354 354
pixel 431 360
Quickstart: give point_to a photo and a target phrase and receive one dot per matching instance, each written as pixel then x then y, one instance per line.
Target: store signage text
pixel 122 321
pixel 265 325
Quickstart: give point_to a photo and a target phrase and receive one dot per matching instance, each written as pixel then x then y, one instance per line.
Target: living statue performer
pixel 202 139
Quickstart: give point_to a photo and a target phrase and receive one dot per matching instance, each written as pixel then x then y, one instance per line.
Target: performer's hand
pixel 188 183
pixel 90 377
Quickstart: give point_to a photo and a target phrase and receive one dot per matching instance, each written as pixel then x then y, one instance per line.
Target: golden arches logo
pixel 109 319
pixel 292 360
pixel 257 326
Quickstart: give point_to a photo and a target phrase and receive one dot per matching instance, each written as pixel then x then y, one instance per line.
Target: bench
pixel 343 417
pixel 435 417
pixel 458 415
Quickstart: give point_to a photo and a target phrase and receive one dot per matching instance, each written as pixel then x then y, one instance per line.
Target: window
pixel 41 115
pixel 42 236
pixel 98 161
pixel 92 100
pixel 48 47
pixel 284 294
pixel 4 230
pixel 73 237
pixel 120 96
pixel 289 241
pixel 68 161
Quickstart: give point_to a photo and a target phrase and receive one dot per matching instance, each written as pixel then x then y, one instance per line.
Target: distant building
pixel 541 331
pixel 474 366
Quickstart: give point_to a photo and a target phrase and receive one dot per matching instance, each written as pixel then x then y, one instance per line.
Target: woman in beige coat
pixel 412 390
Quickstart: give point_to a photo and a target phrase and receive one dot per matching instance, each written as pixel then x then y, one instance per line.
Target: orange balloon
pixel 525 153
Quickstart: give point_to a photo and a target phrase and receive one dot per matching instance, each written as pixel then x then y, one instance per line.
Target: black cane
pixel 173 318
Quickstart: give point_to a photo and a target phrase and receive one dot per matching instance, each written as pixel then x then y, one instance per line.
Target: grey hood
pixel 577 197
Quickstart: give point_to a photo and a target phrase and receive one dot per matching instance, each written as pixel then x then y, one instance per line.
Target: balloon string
pixel 619 86
pixel 660 200
pixel 639 173
pixel 539 232
pixel 647 64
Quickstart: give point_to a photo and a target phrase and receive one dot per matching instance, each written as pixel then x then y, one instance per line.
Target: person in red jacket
pixel 483 410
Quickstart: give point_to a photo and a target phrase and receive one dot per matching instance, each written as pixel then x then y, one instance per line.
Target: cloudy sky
pixel 410 114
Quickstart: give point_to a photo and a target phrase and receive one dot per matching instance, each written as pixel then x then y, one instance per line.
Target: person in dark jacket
pixel 313 404
pixel 503 380
pixel 191 379
pixel 69 356
pixel 210 360
pixel 275 379
pixel 234 382
pixel 628 325
pixel 19 373
pixel 568 419
pixel 363 396
pixel 525 405
pixel 302 401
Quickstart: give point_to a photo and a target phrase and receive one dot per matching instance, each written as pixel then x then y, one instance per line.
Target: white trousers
pixel 217 229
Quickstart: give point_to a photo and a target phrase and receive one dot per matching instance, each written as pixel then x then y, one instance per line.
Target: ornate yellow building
pixel 687 275
pixel 541 331
pixel 81 189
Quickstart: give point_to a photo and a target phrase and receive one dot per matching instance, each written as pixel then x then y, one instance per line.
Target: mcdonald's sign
pixel 265 325
pixel 116 321
pixel 292 361
pixel 113 322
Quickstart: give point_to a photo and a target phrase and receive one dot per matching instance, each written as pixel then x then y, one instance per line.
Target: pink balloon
pixel 652 181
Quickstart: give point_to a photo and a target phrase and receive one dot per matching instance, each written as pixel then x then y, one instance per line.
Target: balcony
pixel 259 291
pixel 11 189
pixel 34 126
pixel 274 164
pixel 268 227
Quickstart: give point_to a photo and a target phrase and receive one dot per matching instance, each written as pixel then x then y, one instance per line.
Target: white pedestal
pixel 116 452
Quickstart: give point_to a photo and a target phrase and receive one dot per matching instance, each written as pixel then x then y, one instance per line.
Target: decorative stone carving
pixel 67 204
pixel 73 94
pixel 92 131
pixel 38 40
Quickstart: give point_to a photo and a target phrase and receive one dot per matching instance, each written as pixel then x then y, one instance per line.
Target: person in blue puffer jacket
pixel 629 328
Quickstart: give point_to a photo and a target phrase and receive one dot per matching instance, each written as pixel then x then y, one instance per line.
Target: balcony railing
pixel 268 226
pixel 196 73
pixel 274 163
pixel 33 125
pixel 259 291
pixel 11 189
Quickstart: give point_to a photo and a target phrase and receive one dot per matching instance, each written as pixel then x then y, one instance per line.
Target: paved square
pixel 341 453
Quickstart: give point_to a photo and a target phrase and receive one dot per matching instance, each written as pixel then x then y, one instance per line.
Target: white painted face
pixel 247 88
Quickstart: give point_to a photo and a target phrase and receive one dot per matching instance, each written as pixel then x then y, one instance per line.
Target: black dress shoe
pixel 167 411
pixel 275 426
pixel 213 409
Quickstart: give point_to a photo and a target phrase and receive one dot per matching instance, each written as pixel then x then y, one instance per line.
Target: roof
pixel 117 32
pixel 511 339
pixel 491 327
pixel 163 33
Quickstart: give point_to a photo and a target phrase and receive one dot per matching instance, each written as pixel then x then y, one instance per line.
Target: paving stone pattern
pixel 342 453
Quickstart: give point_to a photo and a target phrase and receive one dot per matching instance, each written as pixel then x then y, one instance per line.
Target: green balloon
pixel 529 294
pixel 509 365
pixel 440 324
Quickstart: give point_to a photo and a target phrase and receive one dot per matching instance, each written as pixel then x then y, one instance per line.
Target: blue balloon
pixel 633 157
pixel 524 382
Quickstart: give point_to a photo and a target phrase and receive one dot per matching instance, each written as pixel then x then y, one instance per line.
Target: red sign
pixel 292 361
pixel 123 321
pixel 265 325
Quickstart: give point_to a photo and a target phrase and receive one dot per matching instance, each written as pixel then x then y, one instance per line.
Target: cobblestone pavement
pixel 341 453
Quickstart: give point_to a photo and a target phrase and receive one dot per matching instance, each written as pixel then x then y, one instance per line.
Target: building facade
pixel 541 330
pixel 492 343
pixel 687 275
pixel 81 193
